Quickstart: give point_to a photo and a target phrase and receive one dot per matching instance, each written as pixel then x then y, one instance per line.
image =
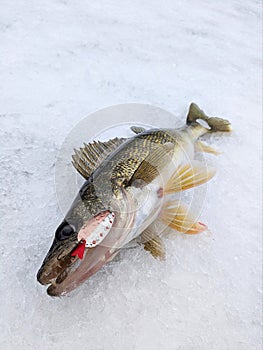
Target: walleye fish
pixel 128 192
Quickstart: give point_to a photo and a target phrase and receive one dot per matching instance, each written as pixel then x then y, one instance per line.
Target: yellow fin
pixel 188 176
pixel 203 147
pixel 176 216
pixel 89 157
pixel 153 243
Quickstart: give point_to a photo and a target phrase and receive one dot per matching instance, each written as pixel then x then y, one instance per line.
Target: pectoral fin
pixel 151 166
pixel 177 217
pixel 188 176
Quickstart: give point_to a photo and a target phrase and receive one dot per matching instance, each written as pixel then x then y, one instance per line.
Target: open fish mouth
pixel 69 264
pixel 94 259
pixel 53 276
pixel 65 255
pixel 58 272
pixel 75 269
pixel 55 282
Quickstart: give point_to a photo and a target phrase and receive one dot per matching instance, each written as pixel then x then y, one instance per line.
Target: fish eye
pixel 64 231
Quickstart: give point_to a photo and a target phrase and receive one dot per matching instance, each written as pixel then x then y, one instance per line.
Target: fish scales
pixel 126 198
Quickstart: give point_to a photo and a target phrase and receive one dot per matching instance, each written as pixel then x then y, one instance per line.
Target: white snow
pixel 61 61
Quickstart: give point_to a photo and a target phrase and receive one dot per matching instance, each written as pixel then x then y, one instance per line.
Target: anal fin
pixel 203 147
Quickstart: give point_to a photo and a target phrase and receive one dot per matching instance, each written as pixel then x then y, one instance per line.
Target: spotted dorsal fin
pixel 89 157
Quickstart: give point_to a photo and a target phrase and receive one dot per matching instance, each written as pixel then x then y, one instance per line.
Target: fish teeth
pixel 62 276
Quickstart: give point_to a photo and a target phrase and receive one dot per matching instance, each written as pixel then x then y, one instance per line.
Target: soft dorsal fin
pixel 137 129
pixel 89 157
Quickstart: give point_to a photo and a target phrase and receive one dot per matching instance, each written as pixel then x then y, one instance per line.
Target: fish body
pixel 127 189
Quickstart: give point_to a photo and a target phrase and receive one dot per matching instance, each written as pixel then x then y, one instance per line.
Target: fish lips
pixel 57 261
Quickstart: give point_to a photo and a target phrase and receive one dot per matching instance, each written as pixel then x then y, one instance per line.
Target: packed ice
pixel 62 61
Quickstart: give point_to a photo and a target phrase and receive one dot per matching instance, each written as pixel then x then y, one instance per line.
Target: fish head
pixel 58 258
pixel 78 250
pixel 98 232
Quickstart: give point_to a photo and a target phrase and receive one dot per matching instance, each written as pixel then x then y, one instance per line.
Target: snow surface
pixel 61 61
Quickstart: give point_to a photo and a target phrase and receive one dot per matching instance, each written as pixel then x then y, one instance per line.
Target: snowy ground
pixel 61 61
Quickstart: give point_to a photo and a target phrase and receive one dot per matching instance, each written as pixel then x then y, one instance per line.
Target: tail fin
pixel 215 124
